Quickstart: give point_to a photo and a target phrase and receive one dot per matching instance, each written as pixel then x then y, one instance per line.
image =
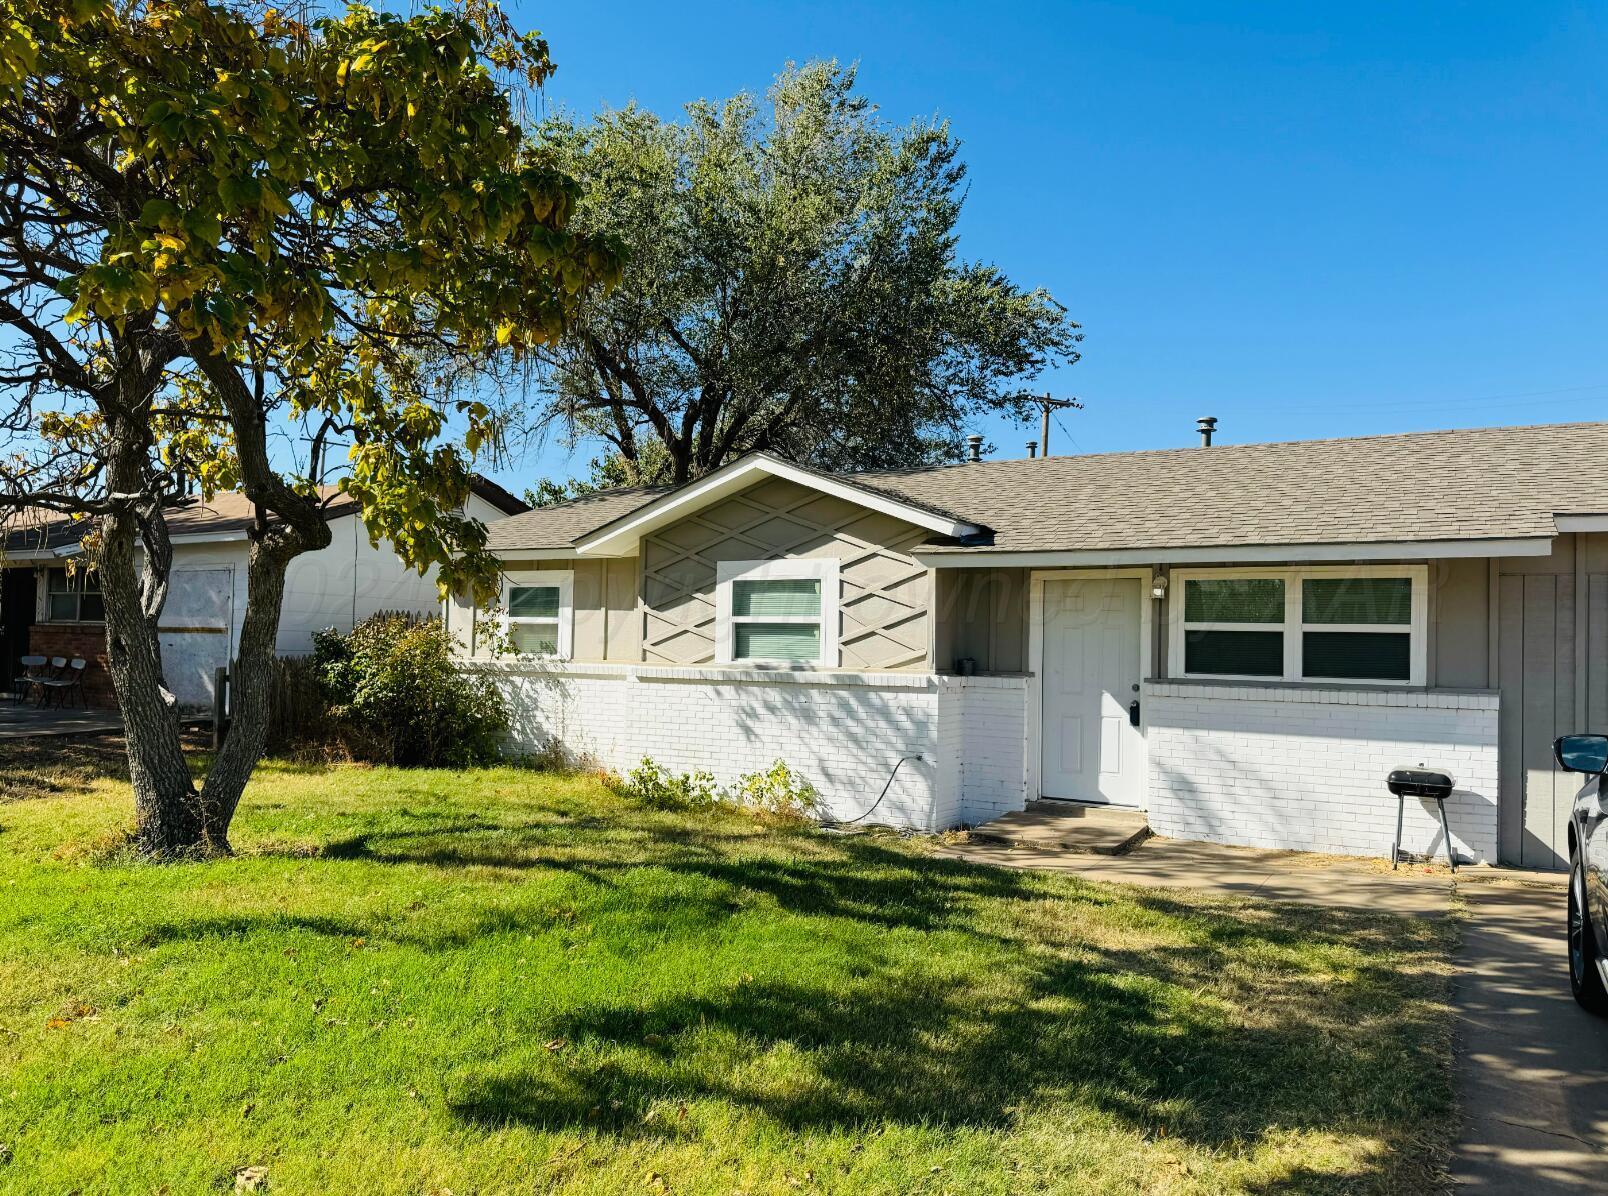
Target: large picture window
pixel 538 613
pixel 74 597
pixel 777 612
pixel 1313 624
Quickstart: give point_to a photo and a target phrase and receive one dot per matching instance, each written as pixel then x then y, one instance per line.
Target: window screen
pixel 1234 600
pixel 777 641
pixel 533 602
pixel 789 597
pixel 1234 653
pixel 1357 600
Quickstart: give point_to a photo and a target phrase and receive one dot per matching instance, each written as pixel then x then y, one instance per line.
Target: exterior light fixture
pixel 1158 586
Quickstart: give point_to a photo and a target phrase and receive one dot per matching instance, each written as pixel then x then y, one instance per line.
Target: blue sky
pixel 1308 220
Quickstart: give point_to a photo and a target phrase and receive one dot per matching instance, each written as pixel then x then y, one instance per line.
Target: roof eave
pixel 1392 550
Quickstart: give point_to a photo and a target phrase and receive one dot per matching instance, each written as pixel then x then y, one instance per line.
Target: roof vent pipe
pixel 1206 425
pixel 1032 449
pixel 974 447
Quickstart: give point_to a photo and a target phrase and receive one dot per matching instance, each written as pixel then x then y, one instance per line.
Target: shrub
pixel 652 785
pixel 393 682
pixel 777 790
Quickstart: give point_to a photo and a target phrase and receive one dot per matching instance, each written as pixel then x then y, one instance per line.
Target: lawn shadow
pixel 1221 1039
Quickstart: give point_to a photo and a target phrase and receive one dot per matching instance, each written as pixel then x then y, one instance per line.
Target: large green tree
pixel 793 284
pixel 222 230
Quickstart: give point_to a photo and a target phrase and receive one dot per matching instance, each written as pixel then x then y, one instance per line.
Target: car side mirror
pixel 1582 753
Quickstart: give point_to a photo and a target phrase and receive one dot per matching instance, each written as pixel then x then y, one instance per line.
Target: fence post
pixel 220 706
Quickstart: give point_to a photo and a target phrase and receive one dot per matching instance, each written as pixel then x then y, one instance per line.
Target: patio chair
pixel 67 683
pixel 48 674
pixel 33 670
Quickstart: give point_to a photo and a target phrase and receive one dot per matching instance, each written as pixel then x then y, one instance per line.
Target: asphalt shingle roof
pixel 560 525
pixel 229 511
pixel 1479 484
pixel 1486 483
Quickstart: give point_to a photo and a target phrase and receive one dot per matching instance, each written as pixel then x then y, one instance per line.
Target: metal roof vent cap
pixel 1206 425
pixel 974 447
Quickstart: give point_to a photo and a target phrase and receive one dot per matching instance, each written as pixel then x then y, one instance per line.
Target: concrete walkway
pixel 1531 1067
pixel 23 720
pixel 1271 875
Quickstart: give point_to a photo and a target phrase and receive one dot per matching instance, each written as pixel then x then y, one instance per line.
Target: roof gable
pixel 621 535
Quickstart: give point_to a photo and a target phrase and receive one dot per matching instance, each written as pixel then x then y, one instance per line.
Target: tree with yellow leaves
pixel 223 229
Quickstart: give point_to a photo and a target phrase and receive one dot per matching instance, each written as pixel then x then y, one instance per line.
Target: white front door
pixel 1091 749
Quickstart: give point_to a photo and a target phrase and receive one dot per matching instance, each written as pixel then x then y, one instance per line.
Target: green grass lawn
pixel 511 981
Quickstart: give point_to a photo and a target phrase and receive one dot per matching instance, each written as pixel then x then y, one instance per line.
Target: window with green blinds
pixel 534 612
pixel 533 639
pixel 533 602
pixel 777 641
pixel 778 619
pixel 777 598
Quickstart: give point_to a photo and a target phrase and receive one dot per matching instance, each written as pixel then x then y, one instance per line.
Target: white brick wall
pixel 844 731
pixel 1293 767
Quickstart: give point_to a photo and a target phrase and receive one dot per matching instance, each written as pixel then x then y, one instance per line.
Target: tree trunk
pixel 168 817
pixel 250 690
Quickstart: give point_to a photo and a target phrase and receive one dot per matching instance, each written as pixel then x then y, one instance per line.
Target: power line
pixel 1047 406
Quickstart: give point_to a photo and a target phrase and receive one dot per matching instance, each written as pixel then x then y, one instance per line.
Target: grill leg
pixel 1395 849
pixel 1446 833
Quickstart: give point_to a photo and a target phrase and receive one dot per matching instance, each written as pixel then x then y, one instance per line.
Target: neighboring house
pixel 1241 640
pixel 50 609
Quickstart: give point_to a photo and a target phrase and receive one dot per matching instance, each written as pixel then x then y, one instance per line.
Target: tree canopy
pixel 232 244
pixel 793 283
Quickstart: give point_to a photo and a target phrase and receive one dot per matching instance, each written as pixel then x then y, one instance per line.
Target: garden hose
pixel 837 824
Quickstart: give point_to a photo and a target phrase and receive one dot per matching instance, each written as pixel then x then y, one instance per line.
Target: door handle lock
pixel 1133 713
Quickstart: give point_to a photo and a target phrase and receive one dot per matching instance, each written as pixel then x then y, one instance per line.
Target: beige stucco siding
pixel 884 592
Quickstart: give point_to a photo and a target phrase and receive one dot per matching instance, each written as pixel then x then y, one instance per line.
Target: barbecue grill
pixel 1421 783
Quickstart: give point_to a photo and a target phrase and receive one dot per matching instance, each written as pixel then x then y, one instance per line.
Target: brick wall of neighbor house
pixel 843 731
pixel 1292 767
pixel 87 640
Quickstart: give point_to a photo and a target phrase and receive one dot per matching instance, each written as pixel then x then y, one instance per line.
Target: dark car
pixel 1588 870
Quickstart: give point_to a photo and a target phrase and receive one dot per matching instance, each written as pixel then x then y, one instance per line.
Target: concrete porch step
pixel 1068 826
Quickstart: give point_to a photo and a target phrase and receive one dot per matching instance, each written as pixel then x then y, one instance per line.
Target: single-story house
pixel 1242 641
pixel 49 609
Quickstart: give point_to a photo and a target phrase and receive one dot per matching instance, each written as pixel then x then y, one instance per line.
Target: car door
pixel 1592 823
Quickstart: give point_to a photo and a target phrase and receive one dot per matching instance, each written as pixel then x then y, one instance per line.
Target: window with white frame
pixel 538 612
pixel 73 596
pixel 1346 624
pixel 777 612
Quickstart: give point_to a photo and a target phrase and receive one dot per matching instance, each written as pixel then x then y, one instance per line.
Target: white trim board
pixel 622 537
pixel 1581 523
pixel 1228 555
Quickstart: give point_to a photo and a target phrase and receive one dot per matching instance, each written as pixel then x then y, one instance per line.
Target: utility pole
pixel 1047 405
